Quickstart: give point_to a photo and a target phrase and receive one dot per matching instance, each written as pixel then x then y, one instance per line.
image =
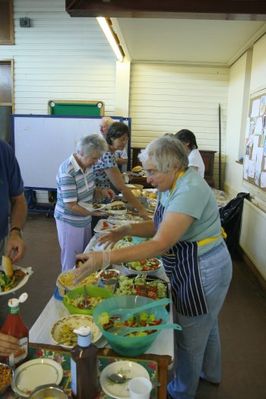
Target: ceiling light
pixel 112 38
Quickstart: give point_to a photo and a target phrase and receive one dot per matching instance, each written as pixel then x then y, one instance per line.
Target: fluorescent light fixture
pixel 111 37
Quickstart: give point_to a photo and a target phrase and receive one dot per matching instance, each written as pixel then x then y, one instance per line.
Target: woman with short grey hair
pixel 186 232
pixel 76 185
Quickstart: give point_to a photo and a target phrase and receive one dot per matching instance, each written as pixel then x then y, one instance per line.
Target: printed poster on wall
pixel 254 170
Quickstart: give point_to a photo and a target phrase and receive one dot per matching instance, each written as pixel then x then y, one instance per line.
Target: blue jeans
pixel 197 348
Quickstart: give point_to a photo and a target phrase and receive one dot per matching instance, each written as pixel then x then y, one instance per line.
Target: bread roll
pixel 7 266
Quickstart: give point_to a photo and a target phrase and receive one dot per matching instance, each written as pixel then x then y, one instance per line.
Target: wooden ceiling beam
pixel 226 9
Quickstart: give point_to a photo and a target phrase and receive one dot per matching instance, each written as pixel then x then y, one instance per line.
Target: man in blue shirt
pixel 11 242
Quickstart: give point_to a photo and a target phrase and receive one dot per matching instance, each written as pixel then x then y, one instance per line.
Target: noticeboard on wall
pixel 255 155
pixel 76 108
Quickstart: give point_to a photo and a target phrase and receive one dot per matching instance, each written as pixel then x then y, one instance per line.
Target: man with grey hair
pixel 75 184
pixel 106 122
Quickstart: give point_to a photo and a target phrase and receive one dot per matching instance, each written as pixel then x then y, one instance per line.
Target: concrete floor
pixel 242 322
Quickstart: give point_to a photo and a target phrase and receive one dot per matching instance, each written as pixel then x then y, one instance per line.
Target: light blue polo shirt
pixel 73 185
pixel 193 196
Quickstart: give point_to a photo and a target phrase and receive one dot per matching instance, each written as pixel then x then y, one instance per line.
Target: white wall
pixel 246 73
pixel 59 57
pixel 167 97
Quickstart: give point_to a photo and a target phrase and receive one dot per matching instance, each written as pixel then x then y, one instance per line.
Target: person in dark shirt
pixel 12 201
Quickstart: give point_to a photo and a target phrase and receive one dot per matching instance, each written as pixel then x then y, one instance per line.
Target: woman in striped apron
pixel 186 232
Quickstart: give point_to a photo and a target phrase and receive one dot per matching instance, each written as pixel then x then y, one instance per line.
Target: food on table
pixel 67 279
pixel 7 266
pixel 155 288
pixel 8 283
pixel 62 331
pixel 5 376
pixel 83 303
pixel 97 206
pixel 137 171
pixel 109 274
pixel 145 265
pixel 116 206
pixel 144 319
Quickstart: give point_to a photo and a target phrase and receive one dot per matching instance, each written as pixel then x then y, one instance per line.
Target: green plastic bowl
pixel 128 346
pixel 91 290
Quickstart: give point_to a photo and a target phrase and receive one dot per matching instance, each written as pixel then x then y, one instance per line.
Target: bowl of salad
pixel 132 344
pixel 83 300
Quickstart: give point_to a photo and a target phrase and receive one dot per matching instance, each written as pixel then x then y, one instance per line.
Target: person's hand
pixel 114 235
pixel 8 345
pixel 15 246
pixel 91 261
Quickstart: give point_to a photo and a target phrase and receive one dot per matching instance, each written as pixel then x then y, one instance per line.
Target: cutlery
pixel 118 378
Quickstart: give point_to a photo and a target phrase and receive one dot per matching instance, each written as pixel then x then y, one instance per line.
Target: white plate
pixel 128 369
pixel 28 272
pixel 36 372
pixel 108 208
pixel 100 226
pixel 90 207
pixel 128 266
pixel 69 323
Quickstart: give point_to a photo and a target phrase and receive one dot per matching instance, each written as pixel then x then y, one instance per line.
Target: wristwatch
pixel 18 229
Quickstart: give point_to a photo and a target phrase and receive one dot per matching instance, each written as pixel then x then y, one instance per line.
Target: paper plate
pixel 103 226
pixel 28 272
pixel 145 266
pixel 62 331
pixel 92 207
pixel 128 369
pixel 34 373
pixel 111 208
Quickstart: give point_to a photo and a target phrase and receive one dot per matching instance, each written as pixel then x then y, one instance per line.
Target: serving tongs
pixel 125 313
pixel 86 300
pixel 158 327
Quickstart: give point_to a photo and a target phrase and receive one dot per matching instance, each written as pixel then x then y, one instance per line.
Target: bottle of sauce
pixel 15 326
pixel 84 380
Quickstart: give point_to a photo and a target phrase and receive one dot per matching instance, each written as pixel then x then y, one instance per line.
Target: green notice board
pixel 75 108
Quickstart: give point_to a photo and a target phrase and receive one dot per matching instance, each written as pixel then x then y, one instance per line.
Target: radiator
pixel 253 236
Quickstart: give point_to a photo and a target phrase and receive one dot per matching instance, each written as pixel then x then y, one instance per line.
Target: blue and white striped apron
pixel 181 267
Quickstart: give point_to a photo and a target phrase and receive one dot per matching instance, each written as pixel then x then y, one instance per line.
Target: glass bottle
pixel 84 379
pixel 15 327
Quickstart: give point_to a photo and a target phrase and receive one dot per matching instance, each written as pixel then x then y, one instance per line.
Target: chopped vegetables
pixel 145 265
pixel 7 283
pixel 151 288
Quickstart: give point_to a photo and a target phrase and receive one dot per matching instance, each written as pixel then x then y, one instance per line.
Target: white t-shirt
pixel 195 160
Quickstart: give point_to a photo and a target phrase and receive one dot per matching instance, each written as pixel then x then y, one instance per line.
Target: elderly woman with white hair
pixel 76 183
pixel 186 232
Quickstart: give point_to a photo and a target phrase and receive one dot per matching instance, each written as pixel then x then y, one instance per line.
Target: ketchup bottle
pixel 15 326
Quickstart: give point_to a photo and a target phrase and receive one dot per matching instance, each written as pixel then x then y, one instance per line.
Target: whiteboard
pixel 43 142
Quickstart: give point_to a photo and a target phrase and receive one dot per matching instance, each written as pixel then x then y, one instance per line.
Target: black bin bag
pixel 230 215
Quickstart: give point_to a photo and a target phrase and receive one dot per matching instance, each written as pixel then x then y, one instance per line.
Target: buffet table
pixel 54 310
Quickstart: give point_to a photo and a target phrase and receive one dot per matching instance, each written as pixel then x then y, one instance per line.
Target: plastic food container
pixel 90 291
pixel 128 346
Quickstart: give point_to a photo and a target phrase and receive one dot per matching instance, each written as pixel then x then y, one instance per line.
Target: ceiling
pixel 186 41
